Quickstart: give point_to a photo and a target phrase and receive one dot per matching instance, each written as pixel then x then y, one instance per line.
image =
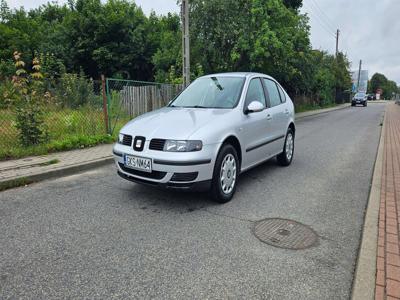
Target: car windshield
pixel 211 92
pixel 360 95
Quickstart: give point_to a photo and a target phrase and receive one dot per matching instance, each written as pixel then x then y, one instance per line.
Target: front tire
pixel 286 157
pixel 225 175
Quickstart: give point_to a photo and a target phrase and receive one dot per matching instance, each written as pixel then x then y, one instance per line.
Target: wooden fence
pixel 137 100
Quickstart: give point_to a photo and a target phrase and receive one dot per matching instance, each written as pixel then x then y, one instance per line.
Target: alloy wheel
pixel 289 146
pixel 228 174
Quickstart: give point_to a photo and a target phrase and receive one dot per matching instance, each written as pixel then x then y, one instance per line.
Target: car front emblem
pixel 139 144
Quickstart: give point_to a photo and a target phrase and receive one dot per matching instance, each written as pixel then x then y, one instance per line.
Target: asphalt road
pixel 94 235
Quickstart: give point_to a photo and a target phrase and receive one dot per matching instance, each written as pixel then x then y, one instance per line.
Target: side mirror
pixel 254 106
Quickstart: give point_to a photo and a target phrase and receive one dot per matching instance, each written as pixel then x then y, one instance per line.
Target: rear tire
pixel 286 157
pixel 225 175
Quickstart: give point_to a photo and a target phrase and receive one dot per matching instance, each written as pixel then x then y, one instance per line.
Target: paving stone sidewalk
pixel 31 166
pixel 388 255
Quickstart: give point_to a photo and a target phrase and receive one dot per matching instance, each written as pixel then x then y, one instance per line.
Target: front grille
pixel 180 177
pixel 127 140
pixel 153 175
pixel 157 144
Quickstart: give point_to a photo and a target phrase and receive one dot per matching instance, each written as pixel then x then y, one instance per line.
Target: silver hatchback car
pixel 220 126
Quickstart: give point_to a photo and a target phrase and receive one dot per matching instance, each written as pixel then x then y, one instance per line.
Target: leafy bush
pixel 6 68
pixel 30 123
pixel 75 91
pixel 8 94
pixel 29 103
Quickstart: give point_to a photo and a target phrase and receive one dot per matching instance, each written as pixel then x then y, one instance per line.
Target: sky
pixel 369 29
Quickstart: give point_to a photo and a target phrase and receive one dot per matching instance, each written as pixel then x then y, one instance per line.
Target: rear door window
pixel 273 92
pixel 282 94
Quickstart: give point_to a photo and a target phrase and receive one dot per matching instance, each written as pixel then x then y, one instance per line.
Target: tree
pixel 388 87
pixel 378 81
pixel 250 35
pixel 294 4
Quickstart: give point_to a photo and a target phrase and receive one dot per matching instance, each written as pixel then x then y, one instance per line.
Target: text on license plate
pixel 138 163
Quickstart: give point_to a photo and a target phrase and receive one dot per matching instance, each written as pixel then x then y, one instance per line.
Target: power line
pixel 313 11
pixel 318 19
pixel 325 17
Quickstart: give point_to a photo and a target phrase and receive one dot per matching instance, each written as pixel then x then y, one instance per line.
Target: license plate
pixel 138 163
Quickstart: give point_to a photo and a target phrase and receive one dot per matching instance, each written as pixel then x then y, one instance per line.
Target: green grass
pixel 68 143
pixel 67 129
pixel 50 162
pixel 307 107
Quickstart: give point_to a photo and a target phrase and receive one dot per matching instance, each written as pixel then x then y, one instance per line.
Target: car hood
pixel 173 122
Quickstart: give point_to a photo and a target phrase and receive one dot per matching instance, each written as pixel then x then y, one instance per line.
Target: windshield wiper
pixel 216 82
pixel 196 106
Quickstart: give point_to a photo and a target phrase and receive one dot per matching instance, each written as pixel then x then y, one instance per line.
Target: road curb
pixel 57 172
pixel 299 116
pixel 365 272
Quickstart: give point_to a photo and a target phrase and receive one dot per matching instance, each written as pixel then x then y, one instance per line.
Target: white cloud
pixel 369 31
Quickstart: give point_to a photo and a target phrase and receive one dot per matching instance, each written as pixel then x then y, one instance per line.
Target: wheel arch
pixel 293 127
pixel 234 141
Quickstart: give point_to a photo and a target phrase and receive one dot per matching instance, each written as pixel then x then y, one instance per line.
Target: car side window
pixel 273 92
pixel 255 92
pixel 282 93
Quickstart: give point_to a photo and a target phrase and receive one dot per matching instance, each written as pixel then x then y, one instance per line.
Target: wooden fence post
pixel 105 110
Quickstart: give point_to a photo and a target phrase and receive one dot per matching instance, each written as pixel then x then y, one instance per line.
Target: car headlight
pixel 120 138
pixel 182 146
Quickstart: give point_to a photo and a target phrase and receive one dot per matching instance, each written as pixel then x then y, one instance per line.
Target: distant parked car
pixel 370 97
pixel 218 127
pixel 359 98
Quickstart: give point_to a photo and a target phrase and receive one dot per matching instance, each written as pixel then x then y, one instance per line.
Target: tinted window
pixel 273 92
pixel 282 93
pixel 255 92
pixel 211 92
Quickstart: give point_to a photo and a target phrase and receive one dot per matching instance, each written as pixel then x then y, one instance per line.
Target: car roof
pixel 237 74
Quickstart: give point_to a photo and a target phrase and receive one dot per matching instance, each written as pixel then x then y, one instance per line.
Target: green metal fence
pixel 71 111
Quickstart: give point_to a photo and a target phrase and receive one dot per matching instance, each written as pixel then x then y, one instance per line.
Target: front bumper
pixel 189 170
pixel 358 101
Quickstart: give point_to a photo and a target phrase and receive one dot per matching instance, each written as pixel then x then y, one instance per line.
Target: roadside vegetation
pixel 50 97
pixel 389 87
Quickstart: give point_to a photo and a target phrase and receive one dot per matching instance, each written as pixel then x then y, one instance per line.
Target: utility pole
pixel 185 42
pixel 337 51
pixel 337 42
pixel 359 75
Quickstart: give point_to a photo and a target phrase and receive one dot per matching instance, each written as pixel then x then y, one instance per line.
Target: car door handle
pixel 286 111
pixel 269 117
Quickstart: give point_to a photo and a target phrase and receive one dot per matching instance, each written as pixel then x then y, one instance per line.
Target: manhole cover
pixel 286 234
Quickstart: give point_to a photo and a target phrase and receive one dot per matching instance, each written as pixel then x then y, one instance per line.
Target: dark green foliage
pixel 8 95
pixel 74 91
pixel 294 4
pixel 379 81
pixel 115 38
